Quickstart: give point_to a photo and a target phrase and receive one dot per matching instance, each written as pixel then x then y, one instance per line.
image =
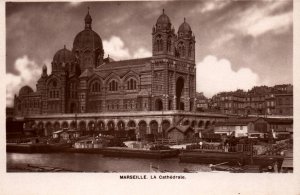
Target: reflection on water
pixel 98 163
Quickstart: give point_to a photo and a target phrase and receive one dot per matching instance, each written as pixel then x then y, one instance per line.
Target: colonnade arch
pixel 142 129
pixel 155 125
pixel 165 126
pixel 121 126
pixel 111 125
pixel 65 125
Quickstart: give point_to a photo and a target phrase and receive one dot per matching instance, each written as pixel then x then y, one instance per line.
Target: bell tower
pixel 163 36
pixel 185 43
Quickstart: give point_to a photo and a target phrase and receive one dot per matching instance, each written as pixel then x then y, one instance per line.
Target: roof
pixel 86 73
pixel 236 121
pixel 181 128
pixel 58 132
pixel 122 63
pixel 279 120
pixel 184 27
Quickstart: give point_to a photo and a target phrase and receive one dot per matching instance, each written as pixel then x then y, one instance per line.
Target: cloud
pixel 279 23
pixel 259 20
pixel 142 53
pixel 214 75
pixel 75 3
pixel 224 38
pixel 208 6
pixel 28 71
pixel 116 49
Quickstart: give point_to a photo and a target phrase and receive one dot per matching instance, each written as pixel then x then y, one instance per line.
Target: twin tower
pixel 166 42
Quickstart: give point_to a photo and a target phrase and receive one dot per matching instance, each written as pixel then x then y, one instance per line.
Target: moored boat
pixel 139 153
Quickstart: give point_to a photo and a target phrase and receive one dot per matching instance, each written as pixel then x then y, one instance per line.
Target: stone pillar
pixel 174 103
pixel 148 129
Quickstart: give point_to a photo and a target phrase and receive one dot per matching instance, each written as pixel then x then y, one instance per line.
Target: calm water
pixel 98 163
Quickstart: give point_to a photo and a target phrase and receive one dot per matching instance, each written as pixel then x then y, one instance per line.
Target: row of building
pixel 260 100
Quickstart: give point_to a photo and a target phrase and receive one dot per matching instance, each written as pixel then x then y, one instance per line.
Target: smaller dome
pixel 163 21
pixel 185 28
pixel 63 55
pixel 25 90
pixel 44 67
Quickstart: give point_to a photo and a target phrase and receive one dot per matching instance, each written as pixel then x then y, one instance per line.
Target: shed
pixel 180 133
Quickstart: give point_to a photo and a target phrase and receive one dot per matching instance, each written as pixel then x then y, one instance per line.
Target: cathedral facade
pixel 83 81
pixel 88 92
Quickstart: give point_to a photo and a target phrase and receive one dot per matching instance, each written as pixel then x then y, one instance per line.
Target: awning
pixel 57 132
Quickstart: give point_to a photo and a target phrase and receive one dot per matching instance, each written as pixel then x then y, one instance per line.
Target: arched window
pixel 131 84
pixel 169 43
pixel 181 49
pixel 53 89
pixel 190 49
pixel 159 43
pixel 113 86
pixel 95 86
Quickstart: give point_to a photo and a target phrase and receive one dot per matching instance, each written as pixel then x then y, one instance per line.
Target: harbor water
pixel 97 163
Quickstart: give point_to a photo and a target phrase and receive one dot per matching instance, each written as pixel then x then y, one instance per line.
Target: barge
pixel 213 157
pixel 36 148
pixel 139 153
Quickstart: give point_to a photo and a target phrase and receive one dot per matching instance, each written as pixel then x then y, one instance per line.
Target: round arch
pixel 101 126
pixel 73 107
pixel 186 122
pixel 131 124
pixel 91 126
pixel 82 126
pixel 165 126
pixel 154 127
pixel 73 125
pixel 179 92
pixel 56 126
pixel 158 104
pixel 207 124
pixel 111 125
pixel 121 126
pixel 142 130
pixel 200 124
pixel 65 125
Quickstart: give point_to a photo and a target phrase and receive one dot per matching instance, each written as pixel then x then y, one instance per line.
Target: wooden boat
pixel 138 153
pixel 235 169
pixel 84 150
pixel 36 148
pixel 213 157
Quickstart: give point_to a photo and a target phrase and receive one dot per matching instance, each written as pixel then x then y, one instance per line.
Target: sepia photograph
pixel 166 87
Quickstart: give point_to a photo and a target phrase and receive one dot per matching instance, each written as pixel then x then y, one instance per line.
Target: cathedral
pixel 83 81
pixel 87 92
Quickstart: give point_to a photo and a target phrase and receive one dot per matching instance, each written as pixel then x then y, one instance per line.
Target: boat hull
pixel 137 153
pixel 202 157
pixel 35 148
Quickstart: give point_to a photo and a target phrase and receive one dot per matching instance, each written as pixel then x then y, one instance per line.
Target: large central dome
pixel 87 39
pixel 87 46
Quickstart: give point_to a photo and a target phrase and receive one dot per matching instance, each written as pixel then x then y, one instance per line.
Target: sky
pixel 239 44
